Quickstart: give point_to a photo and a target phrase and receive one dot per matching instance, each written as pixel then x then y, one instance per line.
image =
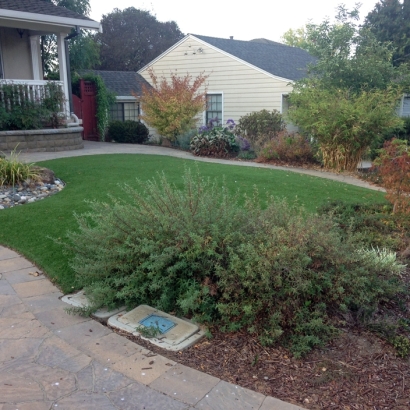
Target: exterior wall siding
pixel 244 89
pixel 16 54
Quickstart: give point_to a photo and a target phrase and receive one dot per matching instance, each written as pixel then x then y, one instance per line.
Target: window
pixel 123 111
pixel 406 106
pixel 1 63
pixel 214 108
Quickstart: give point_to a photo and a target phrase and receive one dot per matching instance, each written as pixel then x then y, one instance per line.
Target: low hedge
pixel 132 132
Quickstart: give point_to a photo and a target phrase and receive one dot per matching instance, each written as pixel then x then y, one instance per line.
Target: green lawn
pixel 28 228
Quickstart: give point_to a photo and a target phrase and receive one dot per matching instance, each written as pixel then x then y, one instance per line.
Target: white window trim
pixel 1 62
pixel 402 104
pixel 223 105
pixel 283 95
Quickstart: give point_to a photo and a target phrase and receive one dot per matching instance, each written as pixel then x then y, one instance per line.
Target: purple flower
pixel 230 124
pixel 202 129
pixel 243 143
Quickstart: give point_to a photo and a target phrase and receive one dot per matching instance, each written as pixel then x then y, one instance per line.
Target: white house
pixel 22 23
pixel 244 76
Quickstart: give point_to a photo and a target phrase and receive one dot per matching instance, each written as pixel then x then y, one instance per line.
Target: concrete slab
pixel 185 384
pixel 23 275
pixel 179 337
pixel 36 288
pixel 270 403
pixel 9 265
pixel 80 299
pixel 228 396
pixel 6 253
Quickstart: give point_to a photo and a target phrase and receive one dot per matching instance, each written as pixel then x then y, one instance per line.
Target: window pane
pixel 214 107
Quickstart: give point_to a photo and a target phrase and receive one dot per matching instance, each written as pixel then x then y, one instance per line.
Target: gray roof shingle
pixel 122 83
pixel 275 58
pixel 40 7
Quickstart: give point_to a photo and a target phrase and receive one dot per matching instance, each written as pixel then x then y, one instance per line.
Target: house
pixel 244 76
pixel 22 23
pixel 127 87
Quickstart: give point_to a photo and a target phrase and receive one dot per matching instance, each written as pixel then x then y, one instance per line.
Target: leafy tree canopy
pixel 84 50
pixel 296 38
pixel 171 105
pixel 79 6
pixel 389 21
pixel 350 96
pixel 132 38
pixel 349 56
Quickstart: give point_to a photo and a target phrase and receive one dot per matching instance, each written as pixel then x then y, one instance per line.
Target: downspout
pixel 70 36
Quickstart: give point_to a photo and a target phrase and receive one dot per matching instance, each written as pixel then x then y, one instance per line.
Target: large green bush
pixel 21 110
pixel 132 132
pixel 278 272
pixel 260 127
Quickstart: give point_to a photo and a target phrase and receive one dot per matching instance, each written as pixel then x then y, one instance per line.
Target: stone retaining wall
pixel 47 140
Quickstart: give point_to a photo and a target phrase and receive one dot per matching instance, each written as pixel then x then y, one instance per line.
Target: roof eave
pixel 163 54
pixel 22 16
pixel 217 49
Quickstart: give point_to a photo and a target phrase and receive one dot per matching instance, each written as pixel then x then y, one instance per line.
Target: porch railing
pixel 30 90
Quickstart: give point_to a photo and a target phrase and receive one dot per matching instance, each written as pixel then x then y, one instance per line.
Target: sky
pixel 244 20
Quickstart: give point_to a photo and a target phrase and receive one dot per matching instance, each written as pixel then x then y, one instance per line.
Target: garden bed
pixel 45 140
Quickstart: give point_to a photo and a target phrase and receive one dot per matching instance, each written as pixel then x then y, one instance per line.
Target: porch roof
pixel 41 15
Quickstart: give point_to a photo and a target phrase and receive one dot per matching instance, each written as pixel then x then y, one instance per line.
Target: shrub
pixel 373 225
pixel 171 106
pixel 344 123
pixel 394 168
pixel 402 133
pixel 19 110
pixel 215 141
pixel 257 124
pixel 183 141
pixel 132 132
pixel 277 272
pixel 13 171
pixel 288 148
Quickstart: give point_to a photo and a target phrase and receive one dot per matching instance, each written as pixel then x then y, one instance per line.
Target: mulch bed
pixel 357 370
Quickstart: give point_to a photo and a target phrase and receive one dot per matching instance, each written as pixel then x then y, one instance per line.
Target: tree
pixel 296 38
pixel 344 123
pixel 389 21
pixel 351 94
pixel 79 6
pixel 132 38
pixel 83 49
pixel 350 56
pixel 171 106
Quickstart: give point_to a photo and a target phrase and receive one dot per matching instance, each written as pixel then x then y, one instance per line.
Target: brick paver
pixel 52 360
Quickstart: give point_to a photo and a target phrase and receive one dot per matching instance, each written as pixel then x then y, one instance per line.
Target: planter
pixel 46 140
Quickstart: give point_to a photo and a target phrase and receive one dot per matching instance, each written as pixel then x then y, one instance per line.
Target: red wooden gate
pixel 85 108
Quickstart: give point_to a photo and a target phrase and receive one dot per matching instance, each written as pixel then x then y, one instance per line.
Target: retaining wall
pixel 47 140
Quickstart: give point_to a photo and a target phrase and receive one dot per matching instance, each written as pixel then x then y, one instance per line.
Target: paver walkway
pixel 97 148
pixel 52 360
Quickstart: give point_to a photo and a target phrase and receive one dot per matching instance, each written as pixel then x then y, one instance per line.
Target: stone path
pixel 52 360
pixel 98 148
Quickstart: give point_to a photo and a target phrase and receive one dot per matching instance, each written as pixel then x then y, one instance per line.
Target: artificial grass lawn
pixel 28 228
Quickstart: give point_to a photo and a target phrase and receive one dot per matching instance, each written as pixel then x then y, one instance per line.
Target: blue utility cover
pixel 159 322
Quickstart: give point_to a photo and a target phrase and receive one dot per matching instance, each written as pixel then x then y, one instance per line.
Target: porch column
pixel 36 57
pixel 62 61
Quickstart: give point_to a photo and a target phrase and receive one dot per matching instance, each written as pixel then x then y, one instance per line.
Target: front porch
pixel 22 25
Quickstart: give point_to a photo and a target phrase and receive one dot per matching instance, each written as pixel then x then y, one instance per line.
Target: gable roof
pixel 122 83
pixel 40 10
pixel 40 7
pixel 275 58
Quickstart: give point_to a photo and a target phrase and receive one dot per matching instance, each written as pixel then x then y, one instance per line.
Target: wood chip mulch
pixel 357 370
